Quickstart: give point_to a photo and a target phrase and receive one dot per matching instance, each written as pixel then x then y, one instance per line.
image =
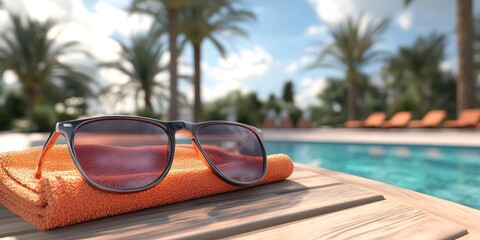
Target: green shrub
pixel 15 104
pixel 44 119
pixel 5 119
pixel 66 117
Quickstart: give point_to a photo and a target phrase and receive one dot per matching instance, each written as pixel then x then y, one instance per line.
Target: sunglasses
pixel 129 153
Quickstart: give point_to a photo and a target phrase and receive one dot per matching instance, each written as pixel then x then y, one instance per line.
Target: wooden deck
pixel 313 204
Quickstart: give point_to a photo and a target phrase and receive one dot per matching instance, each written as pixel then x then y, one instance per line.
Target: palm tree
pixel 466 83
pixel 351 50
pixel 34 58
pixel 206 20
pixel 414 73
pixel 333 110
pixel 140 61
pixel 159 9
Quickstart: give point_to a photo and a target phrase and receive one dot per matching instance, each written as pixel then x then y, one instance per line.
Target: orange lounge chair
pixel 430 120
pixel 468 118
pixel 399 119
pixel 268 122
pixel 303 123
pixel 375 119
pixel 286 123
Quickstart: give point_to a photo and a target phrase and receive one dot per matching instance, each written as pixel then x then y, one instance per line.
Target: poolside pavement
pixel 442 137
pixel 11 141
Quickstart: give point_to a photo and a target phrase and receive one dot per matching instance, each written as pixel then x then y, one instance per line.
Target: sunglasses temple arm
pixel 48 145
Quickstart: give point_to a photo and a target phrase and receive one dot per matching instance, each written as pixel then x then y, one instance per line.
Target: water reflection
pixel 433 154
pixel 402 152
pixel 447 172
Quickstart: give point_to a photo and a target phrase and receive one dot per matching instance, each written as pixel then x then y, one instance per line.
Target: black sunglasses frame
pixel 67 129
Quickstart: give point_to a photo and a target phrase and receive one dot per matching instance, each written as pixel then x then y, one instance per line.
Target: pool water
pixel 451 173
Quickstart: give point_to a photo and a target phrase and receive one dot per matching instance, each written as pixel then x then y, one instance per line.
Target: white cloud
pixel 221 89
pixel 120 21
pixel 308 91
pixel 404 16
pixel 306 82
pixel 314 30
pixel 333 11
pixel 299 63
pixel 242 66
pixel 292 67
pixel 404 20
pixel 336 11
pixel 38 9
pixel 231 73
pixel 111 75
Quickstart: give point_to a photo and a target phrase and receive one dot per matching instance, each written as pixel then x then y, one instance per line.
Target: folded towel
pixel 62 197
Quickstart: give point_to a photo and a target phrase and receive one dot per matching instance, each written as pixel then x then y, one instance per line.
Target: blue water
pixel 451 173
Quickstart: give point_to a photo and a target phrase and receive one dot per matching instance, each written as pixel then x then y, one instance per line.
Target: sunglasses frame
pixel 67 129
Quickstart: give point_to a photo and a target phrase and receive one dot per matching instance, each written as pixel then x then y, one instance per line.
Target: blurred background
pixel 302 70
pixel 318 60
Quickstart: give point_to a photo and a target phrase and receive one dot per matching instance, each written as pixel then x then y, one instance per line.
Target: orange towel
pixel 62 197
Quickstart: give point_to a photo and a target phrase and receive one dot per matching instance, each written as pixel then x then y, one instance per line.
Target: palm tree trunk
pixel 172 41
pixel 197 82
pixel 465 79
pixel 352 96
pixel 148 102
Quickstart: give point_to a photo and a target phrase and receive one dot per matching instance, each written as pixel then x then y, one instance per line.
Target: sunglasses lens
pixel 236 151
pixel 122 154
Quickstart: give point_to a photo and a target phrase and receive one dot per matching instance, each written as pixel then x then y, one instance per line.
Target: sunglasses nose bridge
pixel 187 132
pixel 195 146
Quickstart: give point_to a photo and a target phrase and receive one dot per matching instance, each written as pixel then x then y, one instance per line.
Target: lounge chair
pixel 286 123
pixel 285 120
pixel 468 118
pixel 375 119
pixel 430 120
pixel 268 122
pixel 303 123
pixel 270 119
pixel 398 120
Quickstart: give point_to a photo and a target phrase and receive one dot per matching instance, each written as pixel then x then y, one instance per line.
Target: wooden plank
pixel 4 212
pixel 299 173
pixel 21 226
pixel 379 220
pixel 462 215
pixel 215 217
pixel 10 223
pixel 15 225
pixel 467 237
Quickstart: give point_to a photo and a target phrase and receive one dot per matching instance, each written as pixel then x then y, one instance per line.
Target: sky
pixel 278 49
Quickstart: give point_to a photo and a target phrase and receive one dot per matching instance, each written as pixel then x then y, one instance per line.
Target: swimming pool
pixel 451 173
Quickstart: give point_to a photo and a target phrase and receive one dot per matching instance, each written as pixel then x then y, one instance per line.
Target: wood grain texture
pixel 13 224
pixel 310 203
pixel 314 203
pixel 4 212
pixel 379 220
pixel 221 215
pixel 460 214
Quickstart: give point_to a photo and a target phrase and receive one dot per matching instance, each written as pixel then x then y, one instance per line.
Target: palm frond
pixel 140 61
pixel 352 47
pixel 33 57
